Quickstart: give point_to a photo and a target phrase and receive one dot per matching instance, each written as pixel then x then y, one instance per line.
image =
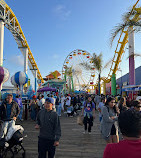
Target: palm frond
pixel 97 61
pixel 86 66
pixel 120 27
pixel 128 15
pixel 128 21
pixel 68 71
pixel 107 64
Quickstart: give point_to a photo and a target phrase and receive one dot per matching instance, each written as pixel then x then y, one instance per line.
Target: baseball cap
pixel 49 100
pixel 138 98
pixel 34 97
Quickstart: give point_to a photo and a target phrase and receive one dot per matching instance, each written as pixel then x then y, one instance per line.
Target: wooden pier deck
pixel 73 143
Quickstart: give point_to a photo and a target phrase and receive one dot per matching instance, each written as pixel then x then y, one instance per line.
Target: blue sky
pixel 54 28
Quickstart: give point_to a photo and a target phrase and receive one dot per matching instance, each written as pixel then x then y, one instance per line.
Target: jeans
pixel 59 108
pixel 44 146
pixel 100 118
pixel 88 121
pixel 5 126
pixel 33 113
pixel 21 113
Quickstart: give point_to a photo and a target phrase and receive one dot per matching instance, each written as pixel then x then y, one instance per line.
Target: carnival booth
pixel 131 90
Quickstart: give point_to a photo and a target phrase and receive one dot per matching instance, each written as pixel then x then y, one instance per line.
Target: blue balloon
pixel 21 78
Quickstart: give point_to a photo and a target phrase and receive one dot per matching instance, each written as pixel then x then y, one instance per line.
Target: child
pixel 70 111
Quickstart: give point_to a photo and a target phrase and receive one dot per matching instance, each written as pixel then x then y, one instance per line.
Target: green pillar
pixel 104 88
pixel 113 84
pixel 65 77
pixel 69 84
pixel 72 84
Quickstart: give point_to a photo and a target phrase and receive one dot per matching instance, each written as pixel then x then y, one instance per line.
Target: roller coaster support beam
pixel 131 57
pixel 35 79
pixel 113 84
pixel 25 59
pixel 104 88
pixel 1 41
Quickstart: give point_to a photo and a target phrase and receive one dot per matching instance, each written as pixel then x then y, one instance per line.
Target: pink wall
pixel 108 88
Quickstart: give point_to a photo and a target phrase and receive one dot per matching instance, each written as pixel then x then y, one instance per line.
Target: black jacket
pixel 49 125
pixel 15 110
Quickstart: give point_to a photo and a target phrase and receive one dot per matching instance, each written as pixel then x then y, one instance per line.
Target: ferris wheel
pixel 77 77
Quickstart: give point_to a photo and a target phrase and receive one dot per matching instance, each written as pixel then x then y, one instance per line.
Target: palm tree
pixel 96 60
pixel 131 22
pixel 68 72
pixel 130 19
pixel 97 63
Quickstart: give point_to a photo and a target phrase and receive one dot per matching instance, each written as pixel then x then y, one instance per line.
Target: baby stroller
pixel 14 144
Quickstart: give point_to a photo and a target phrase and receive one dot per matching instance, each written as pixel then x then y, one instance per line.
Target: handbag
pixel 80 120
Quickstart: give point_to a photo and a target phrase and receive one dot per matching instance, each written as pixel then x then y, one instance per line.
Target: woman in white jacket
pixel 62 102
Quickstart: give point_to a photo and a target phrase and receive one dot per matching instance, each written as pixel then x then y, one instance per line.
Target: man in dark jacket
pixel 9 111
pixel 50 130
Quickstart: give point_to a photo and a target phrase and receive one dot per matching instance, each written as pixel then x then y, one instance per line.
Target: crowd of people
pixel 120 120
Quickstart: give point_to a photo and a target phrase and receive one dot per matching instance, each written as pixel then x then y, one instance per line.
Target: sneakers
pixel 71 116
pixel 84 132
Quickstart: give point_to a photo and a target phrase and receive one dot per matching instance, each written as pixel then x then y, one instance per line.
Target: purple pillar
pixel 131 70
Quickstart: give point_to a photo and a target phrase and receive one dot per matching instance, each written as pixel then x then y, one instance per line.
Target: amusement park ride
pixel 76 77
pixel 126 36
pixel 9 20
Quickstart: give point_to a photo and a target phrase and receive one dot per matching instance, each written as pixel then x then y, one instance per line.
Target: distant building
pixel 53 75
pixel 124 80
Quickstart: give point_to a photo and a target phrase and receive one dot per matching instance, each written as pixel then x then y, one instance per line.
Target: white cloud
pixel 62 12
pixel 17 60
pixel 55 56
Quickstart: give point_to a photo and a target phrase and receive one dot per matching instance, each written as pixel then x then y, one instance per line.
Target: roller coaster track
pixel 12 24
pixel 120 48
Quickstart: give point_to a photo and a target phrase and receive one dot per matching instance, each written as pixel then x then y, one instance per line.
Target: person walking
pixel 33 108
pixel 42 102
pixel 88 111
pixel 100 106
pixel 62 102
pixel 53 101
pixel 19 101
pixel 109 126
pixel 122 104
pixel 50 130
pixel 9 111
